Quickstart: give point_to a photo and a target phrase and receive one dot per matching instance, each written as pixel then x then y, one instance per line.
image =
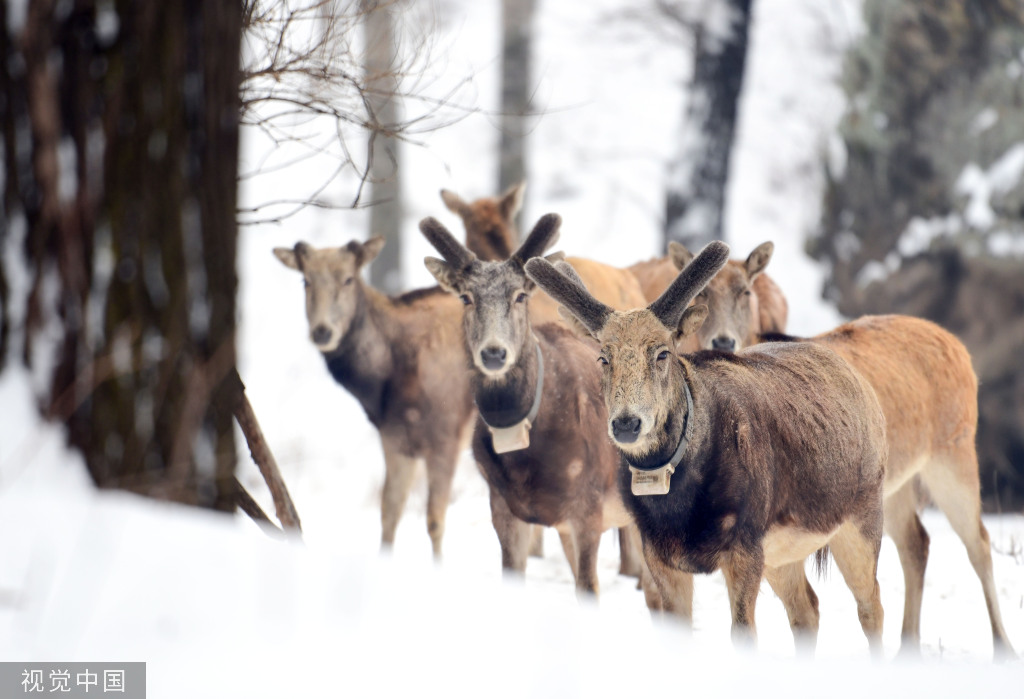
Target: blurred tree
pixel 699 170
pixel 120 126
pixel 516 89
pixel 383 151
pixel 924 211
pixel 315 90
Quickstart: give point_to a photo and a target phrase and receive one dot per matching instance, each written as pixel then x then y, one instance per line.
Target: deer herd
pixel 664 400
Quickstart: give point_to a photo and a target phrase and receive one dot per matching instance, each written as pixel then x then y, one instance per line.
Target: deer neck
pixel 363 361
pixel 510 405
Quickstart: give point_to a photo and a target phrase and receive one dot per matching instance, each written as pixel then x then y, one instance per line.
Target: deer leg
pixel 904 527
pixel 651 595
pixel 588 539
pixel 630 555
pixel 568 538
pixel 440 472
pixel 399 470
pixel 855 550
pixel 743 572
pixel 674 587
pixel 791 585
pixel 537 541
pixel 954 486
pixel 513 535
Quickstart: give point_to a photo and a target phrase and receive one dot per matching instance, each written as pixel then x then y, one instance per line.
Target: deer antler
pixel 542 237
pixel 569 292
pixel 669 307
pixel 454 252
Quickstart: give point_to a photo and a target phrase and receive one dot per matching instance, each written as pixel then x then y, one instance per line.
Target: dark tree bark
pixel 381 80
pixel 128 194
pixel 699 173
pixel 516 89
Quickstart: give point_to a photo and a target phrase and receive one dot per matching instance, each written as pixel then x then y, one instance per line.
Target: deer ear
pixel 578 329
pixel 679 255
pixel 443 273
pixel 693 318
pixel 287 257
pixel 454 202
pixel 759 259
pixel 371 248
pixel 512 200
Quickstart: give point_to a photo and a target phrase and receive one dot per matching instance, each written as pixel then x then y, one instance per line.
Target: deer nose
pixel 493 357
pixel 726 344
pixel 626 429
pixel 321 334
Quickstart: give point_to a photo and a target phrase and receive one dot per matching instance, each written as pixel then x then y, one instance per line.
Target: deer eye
pixel 466 301
pixel 305 283
pixel 663 355
pixel 348 281
pixel 602 361
pixel 521 298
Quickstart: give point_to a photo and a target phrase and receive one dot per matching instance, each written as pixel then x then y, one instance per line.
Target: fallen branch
pixel 249 506
pixel 261 454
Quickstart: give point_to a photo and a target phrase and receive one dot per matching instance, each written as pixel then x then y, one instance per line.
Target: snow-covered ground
pixel 218 609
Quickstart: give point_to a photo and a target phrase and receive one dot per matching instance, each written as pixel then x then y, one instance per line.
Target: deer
pixel 491 232
pixel 924 380
pixel 746 462
pixel 539 438
pixel 742 300
pixel 491 235
pixel 401 358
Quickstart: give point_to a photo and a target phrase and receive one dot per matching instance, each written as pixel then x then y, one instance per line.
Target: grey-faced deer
pixel 926 385
pixel 744 462
pixel 491 235
pixel 402 359
pixel 540 439
pixel 742 300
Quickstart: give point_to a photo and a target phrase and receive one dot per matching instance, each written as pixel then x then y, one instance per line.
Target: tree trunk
pixel 516 89
pixel 128 194
pixel 699 173
pixel 386 210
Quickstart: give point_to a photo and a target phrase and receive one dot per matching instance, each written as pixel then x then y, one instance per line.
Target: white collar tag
pixel 514 438
pixel 654 482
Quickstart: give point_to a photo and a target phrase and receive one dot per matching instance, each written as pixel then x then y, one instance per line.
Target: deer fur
pixel 786 453
pixel 401 358
pixel 742 300
pixel 566 477
pixel 928 391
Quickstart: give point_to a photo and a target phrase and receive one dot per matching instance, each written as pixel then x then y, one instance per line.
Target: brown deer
pixel 491 232
pixel 491 235
pixel 742 300
pixel 926 385
pixel 744 462
pixel 539 439
pixel 401 358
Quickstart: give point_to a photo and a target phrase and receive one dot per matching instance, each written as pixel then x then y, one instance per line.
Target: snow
pixel 216 608
pixel 979 185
